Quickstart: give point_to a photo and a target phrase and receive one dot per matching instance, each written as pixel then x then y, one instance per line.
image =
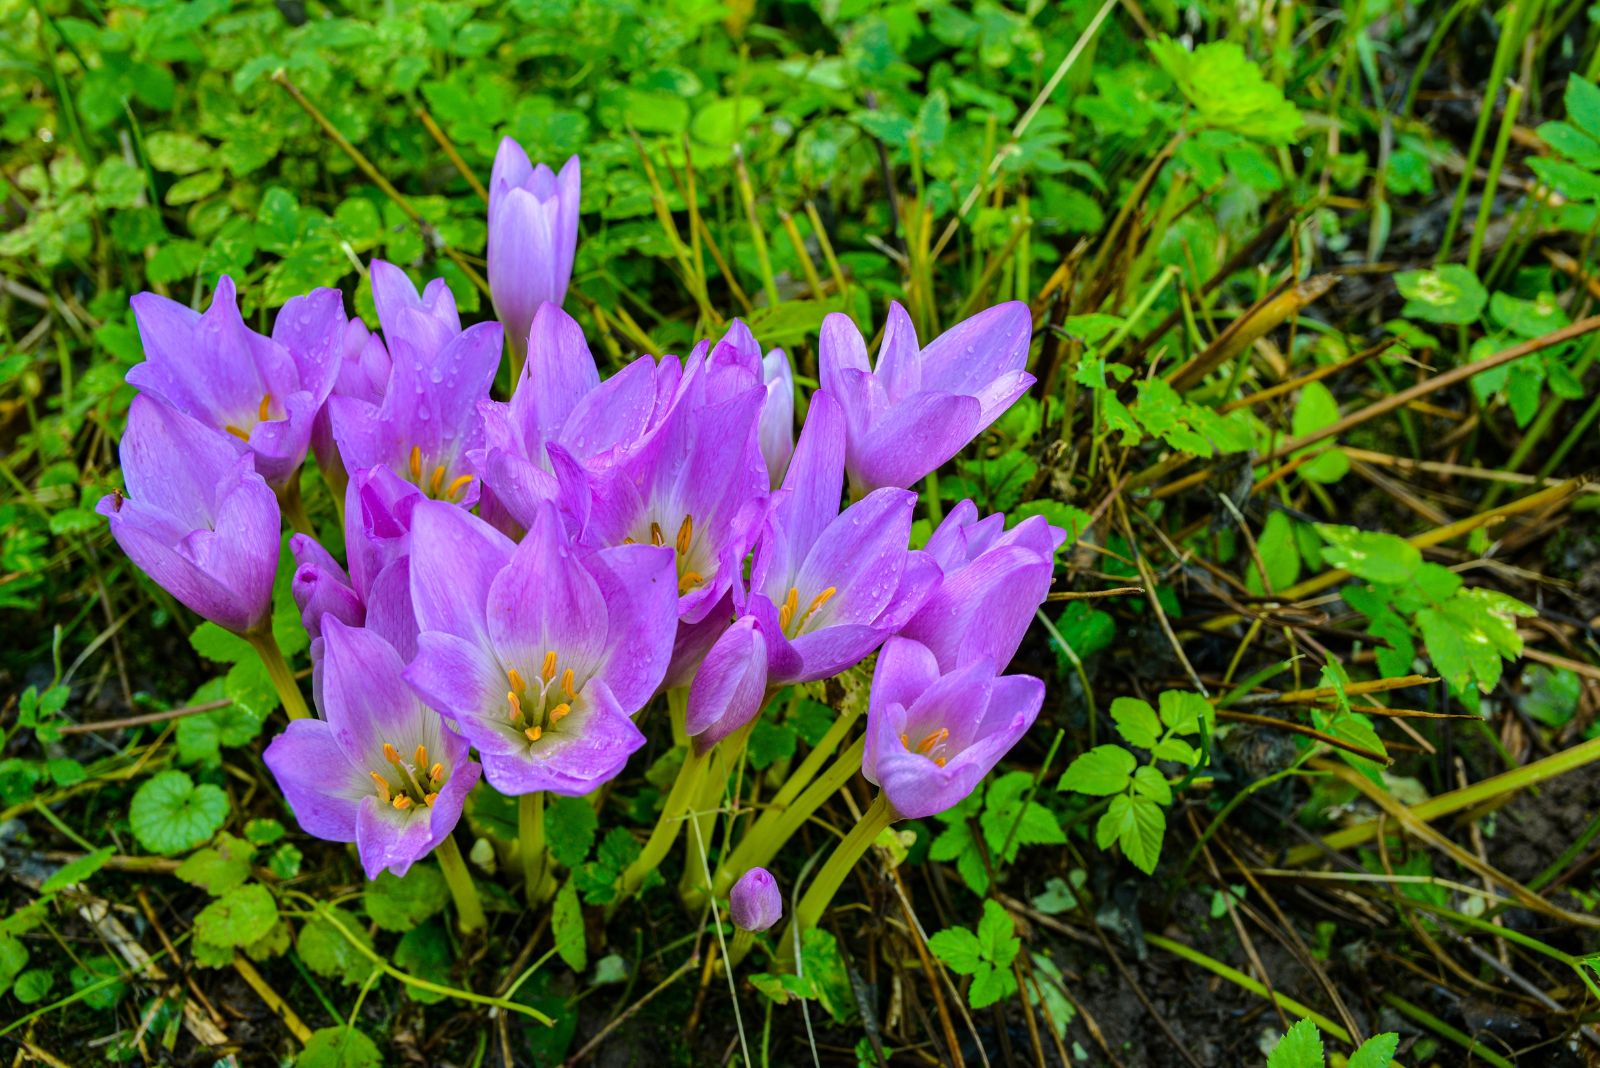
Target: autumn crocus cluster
pixel 518 580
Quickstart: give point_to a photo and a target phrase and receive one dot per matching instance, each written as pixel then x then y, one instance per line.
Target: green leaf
pixel 339 1047
pixel 1315 410
pixel 1372 555
pixel 990 985
pixel 1136 721
pixel 170 814
pixel 13 958
pixel 399 904
pixel 959 948
pixel 1136 824
pixel 1448 294
pixel 569 826
pixel 214 643
pixel 237 918
pixel 1583 105
pixel 220 867
pixel 1376 1052
pixel 1279 556
pixel 1103 770
pixel 566 922
pixel 329 953
pixel 1228 91
pixel 1300 1047
pixel 77 871
pixel 425 953
pixel 1149 782
pixel 94 971
pixel 997 934
pixel 33 985
pixel 1184 712
pixel 724 120
pixel 1176 749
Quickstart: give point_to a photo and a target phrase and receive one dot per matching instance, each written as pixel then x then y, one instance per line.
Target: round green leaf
pixel 170 814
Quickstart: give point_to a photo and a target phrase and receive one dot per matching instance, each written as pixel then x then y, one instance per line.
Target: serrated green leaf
pixel 1184 712
pixel 1136 824
pixel 566 924
pixel 170 814
pixel 328 953
pixel 1376 1052
pixel 1372 555
pixel 959 948
pixel 569 827
pixel 1449 294
pixel 219 867
pixel 425 953
pixel 1136 721
pixel 1103 770
pixel 1149 782
pixel 339 1047
pixel 997 935
pixel 399 904
pixel 238 917
pixel 1300 1047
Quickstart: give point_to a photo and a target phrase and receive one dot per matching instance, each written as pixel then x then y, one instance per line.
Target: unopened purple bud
pixel 755 903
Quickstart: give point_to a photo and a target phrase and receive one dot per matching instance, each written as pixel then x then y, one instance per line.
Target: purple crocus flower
pixel 363 373
pixel 197 519
pixel 932 737
pixel 740 352
pixel 379 768
pixel 826 588
pixel 696 483
pixel 559 400
pixel 920 406
pixel 533 234
pixel 264 391
pixel 754 903
pixel 539 651
pixel 427 420
pixel 376 592
pixel 994 581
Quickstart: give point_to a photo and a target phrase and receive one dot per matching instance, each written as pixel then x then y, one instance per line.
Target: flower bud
pixel 755 903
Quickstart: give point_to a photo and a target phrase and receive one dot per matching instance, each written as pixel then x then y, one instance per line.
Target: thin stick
pixel 443 141
pixel 683 969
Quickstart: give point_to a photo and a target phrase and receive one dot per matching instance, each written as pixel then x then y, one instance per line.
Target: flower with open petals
pixel 264 391
pixel 826 587
pixel 427 420
pixel 379 768
pixel 533 235
pixel 994 580
pixel 197 518
pixel 754 903
pixel 539 651
pixel 932 737
pixel 919 406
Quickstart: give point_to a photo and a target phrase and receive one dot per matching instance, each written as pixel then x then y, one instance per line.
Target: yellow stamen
pixel 401 802
pixel 566 685
pixel 939 761
pixel 515 678
pixel 786 613
pixel 905 740
pixel 656 537
pixel 457 486
pixel 548 672
pixel 516 706
pixel 266 404
pixel 534 733
pixel 236 432
pixel 558 712
pixel 422 756
pixel 390 753
pixel 933 740
pixel 436 481
pixel 685 533
pixel 383 786
pixel 431 798
pixel 436 774
pixel 416 463
pixel 689 581
pixel 628 541
pixel 817 602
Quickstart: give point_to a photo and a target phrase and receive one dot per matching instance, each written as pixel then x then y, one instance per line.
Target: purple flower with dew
pixel 920 406
pixel 695 483
pixel 427 420
pixel 533 235
pixel 931 737
pixel 363 373
pixel 754 903
pixel 197 519
pixel 559 399
pixel 379 768
pixel 994 581
pixel 739 352
pixel 826 588
pixel 539 651
pixel 264 391
pixel 376 591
